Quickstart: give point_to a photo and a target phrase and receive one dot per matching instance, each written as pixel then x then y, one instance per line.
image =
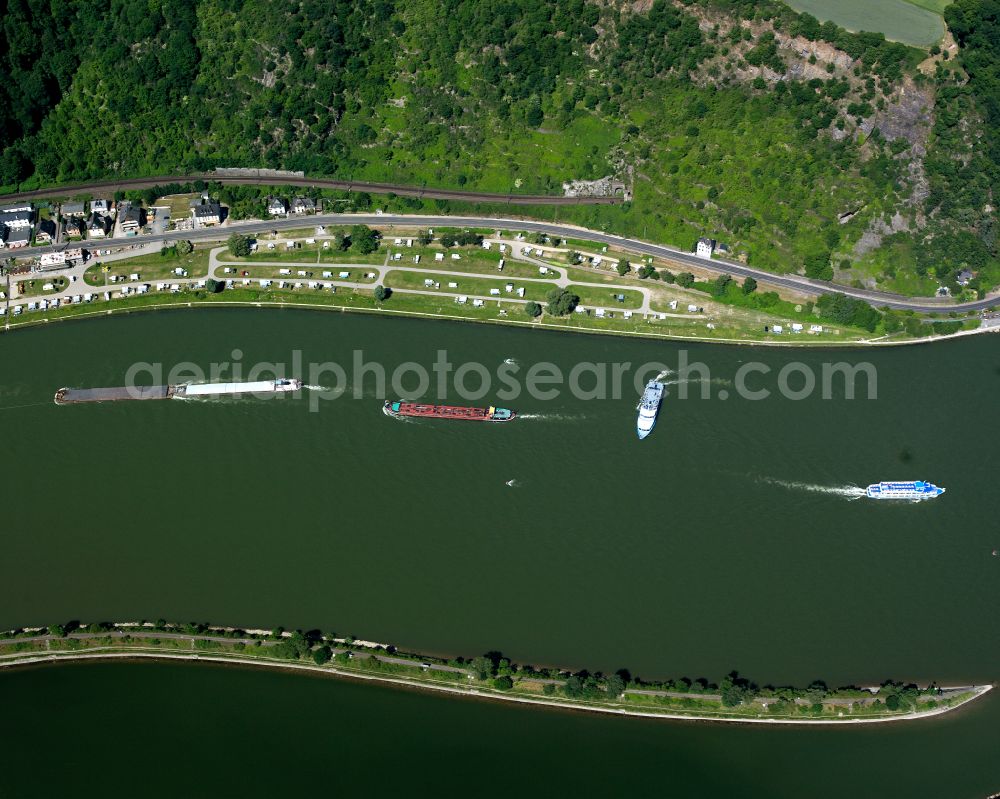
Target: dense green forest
pixel 803 146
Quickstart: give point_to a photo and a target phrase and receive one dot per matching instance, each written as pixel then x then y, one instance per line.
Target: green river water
pixel 728 539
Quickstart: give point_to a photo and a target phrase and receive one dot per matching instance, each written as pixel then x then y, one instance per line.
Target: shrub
pixel 817 265
pixel 464 239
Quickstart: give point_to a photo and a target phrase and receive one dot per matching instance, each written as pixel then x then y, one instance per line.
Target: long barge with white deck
pixel 73 396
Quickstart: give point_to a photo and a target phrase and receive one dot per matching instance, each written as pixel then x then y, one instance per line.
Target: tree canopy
pixel 239 245
pixel 561 302
pixel 364 239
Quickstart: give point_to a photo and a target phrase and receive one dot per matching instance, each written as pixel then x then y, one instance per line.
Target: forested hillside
pixel 803 146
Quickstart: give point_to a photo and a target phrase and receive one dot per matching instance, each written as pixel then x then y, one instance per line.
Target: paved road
pixel 385 221
pixel 111 186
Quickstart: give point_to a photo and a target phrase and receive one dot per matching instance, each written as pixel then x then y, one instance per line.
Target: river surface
pixel 730 539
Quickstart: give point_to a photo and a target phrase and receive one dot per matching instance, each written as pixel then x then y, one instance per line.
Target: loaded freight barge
pixel 72 396
pixel 419 409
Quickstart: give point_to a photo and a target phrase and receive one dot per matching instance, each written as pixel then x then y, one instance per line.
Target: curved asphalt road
pixel 793 282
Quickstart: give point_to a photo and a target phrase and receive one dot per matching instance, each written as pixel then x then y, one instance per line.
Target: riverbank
pixel 364 302
pixel 489 677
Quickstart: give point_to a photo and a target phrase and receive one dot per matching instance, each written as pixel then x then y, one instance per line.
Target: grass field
pixel 150 267
pixel 304 254
pixel 592 297
pixel 916 22
pixel 312 272
pixel 468 285
pixel 32 287
pixel 179 204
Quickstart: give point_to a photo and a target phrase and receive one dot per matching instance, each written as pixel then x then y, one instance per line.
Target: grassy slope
pixel 916 22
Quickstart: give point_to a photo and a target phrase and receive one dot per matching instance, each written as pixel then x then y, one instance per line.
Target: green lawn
pixel 32 287
pixel 150 267
pixel 312 272
pixel 472 259
pixel 305 254
pixel 179 204
pixel 468 285
pixel 591 297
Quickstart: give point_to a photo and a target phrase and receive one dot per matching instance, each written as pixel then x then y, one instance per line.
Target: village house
pixel 99 227
pixel 100 207
pixel 16 218
pixel 206 212
pixel 75 228
pixel 73 209
pixel 705 247
pixel 18 237
pixel 303 205
pixel 132 219
pixel 46 231
pixel 277 206
pixel 964 277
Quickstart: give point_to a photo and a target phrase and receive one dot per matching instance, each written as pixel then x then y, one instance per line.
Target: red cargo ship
pixel 491 414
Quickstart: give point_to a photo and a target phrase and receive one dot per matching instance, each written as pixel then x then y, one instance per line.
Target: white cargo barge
pixel 222 389
pixel 73 396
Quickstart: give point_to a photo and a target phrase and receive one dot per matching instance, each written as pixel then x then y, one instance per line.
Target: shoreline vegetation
pixel 489 676
pixel 194 300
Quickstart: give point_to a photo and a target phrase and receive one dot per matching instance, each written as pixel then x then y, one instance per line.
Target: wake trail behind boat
pixel 551 417
pixel 324 388
pixel 28 405
pixel 849 492
pixel 715 381
pixel 228 399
